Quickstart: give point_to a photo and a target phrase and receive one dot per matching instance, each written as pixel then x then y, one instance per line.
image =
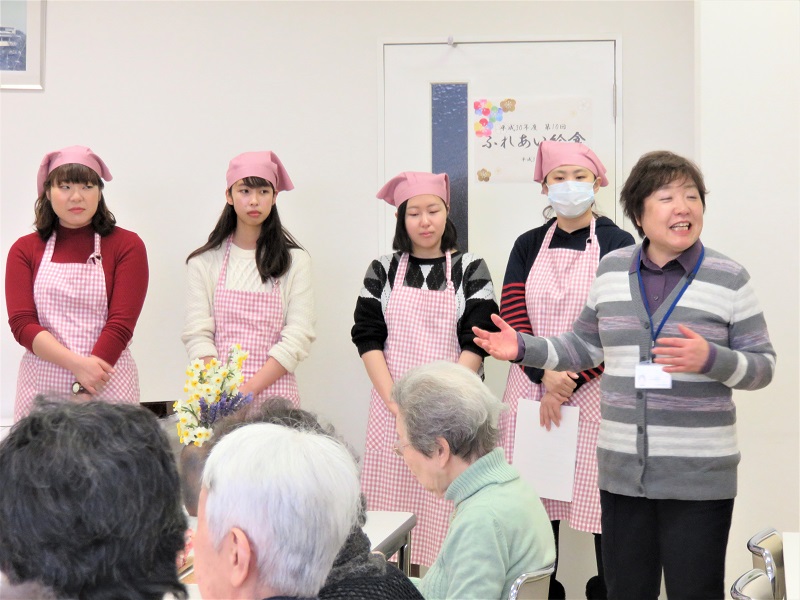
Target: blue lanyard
pixel 653 332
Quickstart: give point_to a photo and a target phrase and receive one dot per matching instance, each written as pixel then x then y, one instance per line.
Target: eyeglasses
pixel 398 448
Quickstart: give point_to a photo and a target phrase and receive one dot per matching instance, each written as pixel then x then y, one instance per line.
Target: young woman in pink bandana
pixel 250 283
pixel 417 306
pixel 75 288
pixel 547 281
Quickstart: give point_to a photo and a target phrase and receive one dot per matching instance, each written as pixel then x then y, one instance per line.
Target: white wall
pixel 168 92
pixel 748 141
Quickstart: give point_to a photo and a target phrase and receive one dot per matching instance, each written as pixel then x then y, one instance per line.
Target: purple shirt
pixel 659 282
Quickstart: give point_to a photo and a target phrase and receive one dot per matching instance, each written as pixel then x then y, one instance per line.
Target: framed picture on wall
pixel 22 44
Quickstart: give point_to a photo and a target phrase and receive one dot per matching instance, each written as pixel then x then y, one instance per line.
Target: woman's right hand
pixel 501 344
pixel 385 392
pixel 92 372
pixel 561 383
pixel 393 408
pixel 378 371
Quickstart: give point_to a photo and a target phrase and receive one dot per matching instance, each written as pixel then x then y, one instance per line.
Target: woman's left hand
pixel 561 383
pixel 92 372
pixel 500 344
pixel 550 410
pixel 682 355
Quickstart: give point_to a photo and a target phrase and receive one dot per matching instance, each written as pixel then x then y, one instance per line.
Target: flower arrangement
pixel 213 393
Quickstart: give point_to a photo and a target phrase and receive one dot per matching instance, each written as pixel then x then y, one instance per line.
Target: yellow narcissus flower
pixel 207 383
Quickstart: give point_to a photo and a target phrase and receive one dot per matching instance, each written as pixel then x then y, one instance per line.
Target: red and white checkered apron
pixel 255 321
pixel 422 329
pixel 72 304
pixel 555 293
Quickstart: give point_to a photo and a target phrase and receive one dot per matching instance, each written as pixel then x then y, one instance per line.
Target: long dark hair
pixel 273 258
pixel 46 222
pixel 402 241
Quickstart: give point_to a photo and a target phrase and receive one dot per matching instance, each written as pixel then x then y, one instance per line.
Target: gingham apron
pixel 555 293
pixel 72 304
pixel 255 321
pixel 422 329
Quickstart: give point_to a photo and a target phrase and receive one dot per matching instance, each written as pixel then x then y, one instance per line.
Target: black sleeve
pixel 480 304
pixel 369 330
pixel 611 237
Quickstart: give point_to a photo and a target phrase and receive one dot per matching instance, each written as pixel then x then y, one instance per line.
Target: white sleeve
pixel 202 273
pixel 299 313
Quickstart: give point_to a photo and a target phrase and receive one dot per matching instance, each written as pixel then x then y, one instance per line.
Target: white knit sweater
pixel 298 302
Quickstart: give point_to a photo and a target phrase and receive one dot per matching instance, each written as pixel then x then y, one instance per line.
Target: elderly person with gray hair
pixel 276 504
pixel 447 426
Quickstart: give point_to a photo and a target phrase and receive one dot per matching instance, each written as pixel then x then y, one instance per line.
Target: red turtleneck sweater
pixel 125 267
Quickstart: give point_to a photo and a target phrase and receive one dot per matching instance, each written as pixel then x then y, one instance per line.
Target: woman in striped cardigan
pixel 679 327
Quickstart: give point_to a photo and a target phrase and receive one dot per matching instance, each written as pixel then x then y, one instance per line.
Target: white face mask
pixel 571 198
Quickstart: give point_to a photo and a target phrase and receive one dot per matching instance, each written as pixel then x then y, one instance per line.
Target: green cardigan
pixel 498 530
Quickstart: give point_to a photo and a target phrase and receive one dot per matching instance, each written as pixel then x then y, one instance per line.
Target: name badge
pixel 650 376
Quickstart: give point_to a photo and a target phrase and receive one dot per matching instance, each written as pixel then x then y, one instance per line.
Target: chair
pixel 753 585
pixel 532 586
pixel 767 549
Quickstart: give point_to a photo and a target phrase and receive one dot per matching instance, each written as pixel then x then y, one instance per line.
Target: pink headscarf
pixel 266 165
pixel 556 154
pixel 414 183
pixel 72 154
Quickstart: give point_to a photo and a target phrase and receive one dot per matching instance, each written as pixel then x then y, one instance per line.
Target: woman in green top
pixel 447 428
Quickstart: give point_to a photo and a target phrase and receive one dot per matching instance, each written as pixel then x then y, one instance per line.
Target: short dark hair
pixel 402 241
pixel 652 171
pixel 103 221
pixel 90 502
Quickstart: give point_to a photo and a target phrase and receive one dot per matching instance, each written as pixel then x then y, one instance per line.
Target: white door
pixel 498 212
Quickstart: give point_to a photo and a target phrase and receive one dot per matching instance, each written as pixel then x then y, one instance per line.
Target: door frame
pixel 381 224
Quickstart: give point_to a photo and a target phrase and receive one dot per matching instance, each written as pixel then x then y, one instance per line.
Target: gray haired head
pixel 448 400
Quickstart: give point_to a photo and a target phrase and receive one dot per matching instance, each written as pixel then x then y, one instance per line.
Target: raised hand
pixel 500 344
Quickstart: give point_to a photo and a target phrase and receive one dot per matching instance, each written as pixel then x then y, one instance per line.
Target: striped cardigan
pixel 677 443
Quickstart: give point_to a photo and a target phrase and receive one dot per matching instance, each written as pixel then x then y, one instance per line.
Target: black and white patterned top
pixel 475 300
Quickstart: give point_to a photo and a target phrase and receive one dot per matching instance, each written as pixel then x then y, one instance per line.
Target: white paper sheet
pixel 546 459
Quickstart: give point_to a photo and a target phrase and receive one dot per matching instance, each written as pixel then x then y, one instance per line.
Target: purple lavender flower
pixel 226 405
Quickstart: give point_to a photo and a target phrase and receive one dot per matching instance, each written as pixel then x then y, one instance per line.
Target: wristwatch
pixel 77 388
